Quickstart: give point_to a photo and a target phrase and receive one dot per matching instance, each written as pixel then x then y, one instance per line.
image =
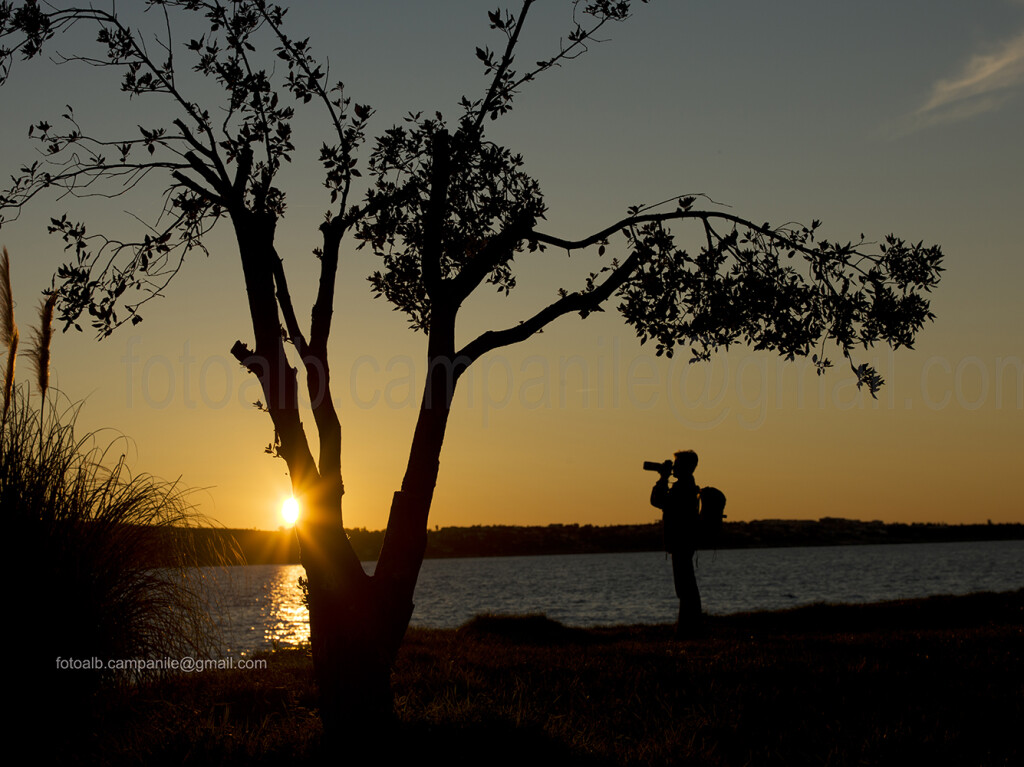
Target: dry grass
pixel 932 681
pixel 102 559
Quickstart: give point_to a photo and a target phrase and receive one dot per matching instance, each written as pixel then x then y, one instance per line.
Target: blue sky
pixel 871 116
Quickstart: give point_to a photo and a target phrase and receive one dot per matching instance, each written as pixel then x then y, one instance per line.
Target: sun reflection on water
pixel 287 624
pixel 260 608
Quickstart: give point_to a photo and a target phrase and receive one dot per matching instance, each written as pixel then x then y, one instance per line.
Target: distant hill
pixel 280 547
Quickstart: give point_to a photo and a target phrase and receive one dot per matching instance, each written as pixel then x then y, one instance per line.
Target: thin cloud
pixel 986 82
pixel 984 74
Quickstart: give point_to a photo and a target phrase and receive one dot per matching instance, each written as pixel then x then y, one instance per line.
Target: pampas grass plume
pixel 7 326
pixel 8 330
pixel 12 356
pixel 41 348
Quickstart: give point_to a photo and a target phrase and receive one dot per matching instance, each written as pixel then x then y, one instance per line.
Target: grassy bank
pixel 933 681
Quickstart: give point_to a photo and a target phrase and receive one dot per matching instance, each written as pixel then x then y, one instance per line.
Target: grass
pixel 935 681
pixel 101 559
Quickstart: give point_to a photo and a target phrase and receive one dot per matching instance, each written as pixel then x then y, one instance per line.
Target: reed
pixel 40 351
pixel 8 329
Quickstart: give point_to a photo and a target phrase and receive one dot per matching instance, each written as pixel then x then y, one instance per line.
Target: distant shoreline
pixel 280 547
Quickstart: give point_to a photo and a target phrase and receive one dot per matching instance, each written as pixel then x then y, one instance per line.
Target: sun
pixel 290 511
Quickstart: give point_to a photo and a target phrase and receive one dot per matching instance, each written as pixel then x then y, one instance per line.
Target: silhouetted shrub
pixel 530 629
pixel 104 558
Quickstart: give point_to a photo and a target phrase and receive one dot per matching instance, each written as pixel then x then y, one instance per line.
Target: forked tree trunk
pixel 352 655
pixel 358 621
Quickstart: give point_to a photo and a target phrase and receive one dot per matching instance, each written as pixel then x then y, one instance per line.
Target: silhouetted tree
pixel 446 210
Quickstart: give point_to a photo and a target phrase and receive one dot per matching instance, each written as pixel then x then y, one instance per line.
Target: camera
pixel 664 467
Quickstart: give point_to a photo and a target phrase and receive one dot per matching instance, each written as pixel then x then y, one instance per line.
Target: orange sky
pixel 794 119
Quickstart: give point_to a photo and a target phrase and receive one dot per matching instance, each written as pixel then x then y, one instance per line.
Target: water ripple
pixel 260 606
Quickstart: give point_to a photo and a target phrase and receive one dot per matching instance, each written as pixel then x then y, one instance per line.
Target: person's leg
pixel 687 591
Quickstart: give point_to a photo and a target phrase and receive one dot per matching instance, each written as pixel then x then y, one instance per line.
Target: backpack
pixel 710 519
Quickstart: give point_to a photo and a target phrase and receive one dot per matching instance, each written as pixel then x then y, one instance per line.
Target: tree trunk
pixel 357 621
pixel 352 653
pixel 352 660
pixel 405 541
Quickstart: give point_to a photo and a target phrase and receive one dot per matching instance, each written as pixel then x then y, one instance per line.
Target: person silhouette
pixel 680 506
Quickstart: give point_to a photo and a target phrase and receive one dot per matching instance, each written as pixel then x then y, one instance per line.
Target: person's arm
pixel 659 495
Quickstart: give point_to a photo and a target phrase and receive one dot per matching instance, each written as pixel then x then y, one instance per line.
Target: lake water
pixel 260 605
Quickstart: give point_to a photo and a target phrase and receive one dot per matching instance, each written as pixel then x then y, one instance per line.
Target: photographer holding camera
pixel 680 505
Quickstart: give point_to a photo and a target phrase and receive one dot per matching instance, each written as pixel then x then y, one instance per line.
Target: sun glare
pixel 290 511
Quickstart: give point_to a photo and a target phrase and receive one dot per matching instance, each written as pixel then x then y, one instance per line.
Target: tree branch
pixel 436 213
pixel 191 184
pixel 677 215
pixel 506 61
pixel 323 306
pixel 584 302
pixel 498 249
pixel 302 60
pixel 284 300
